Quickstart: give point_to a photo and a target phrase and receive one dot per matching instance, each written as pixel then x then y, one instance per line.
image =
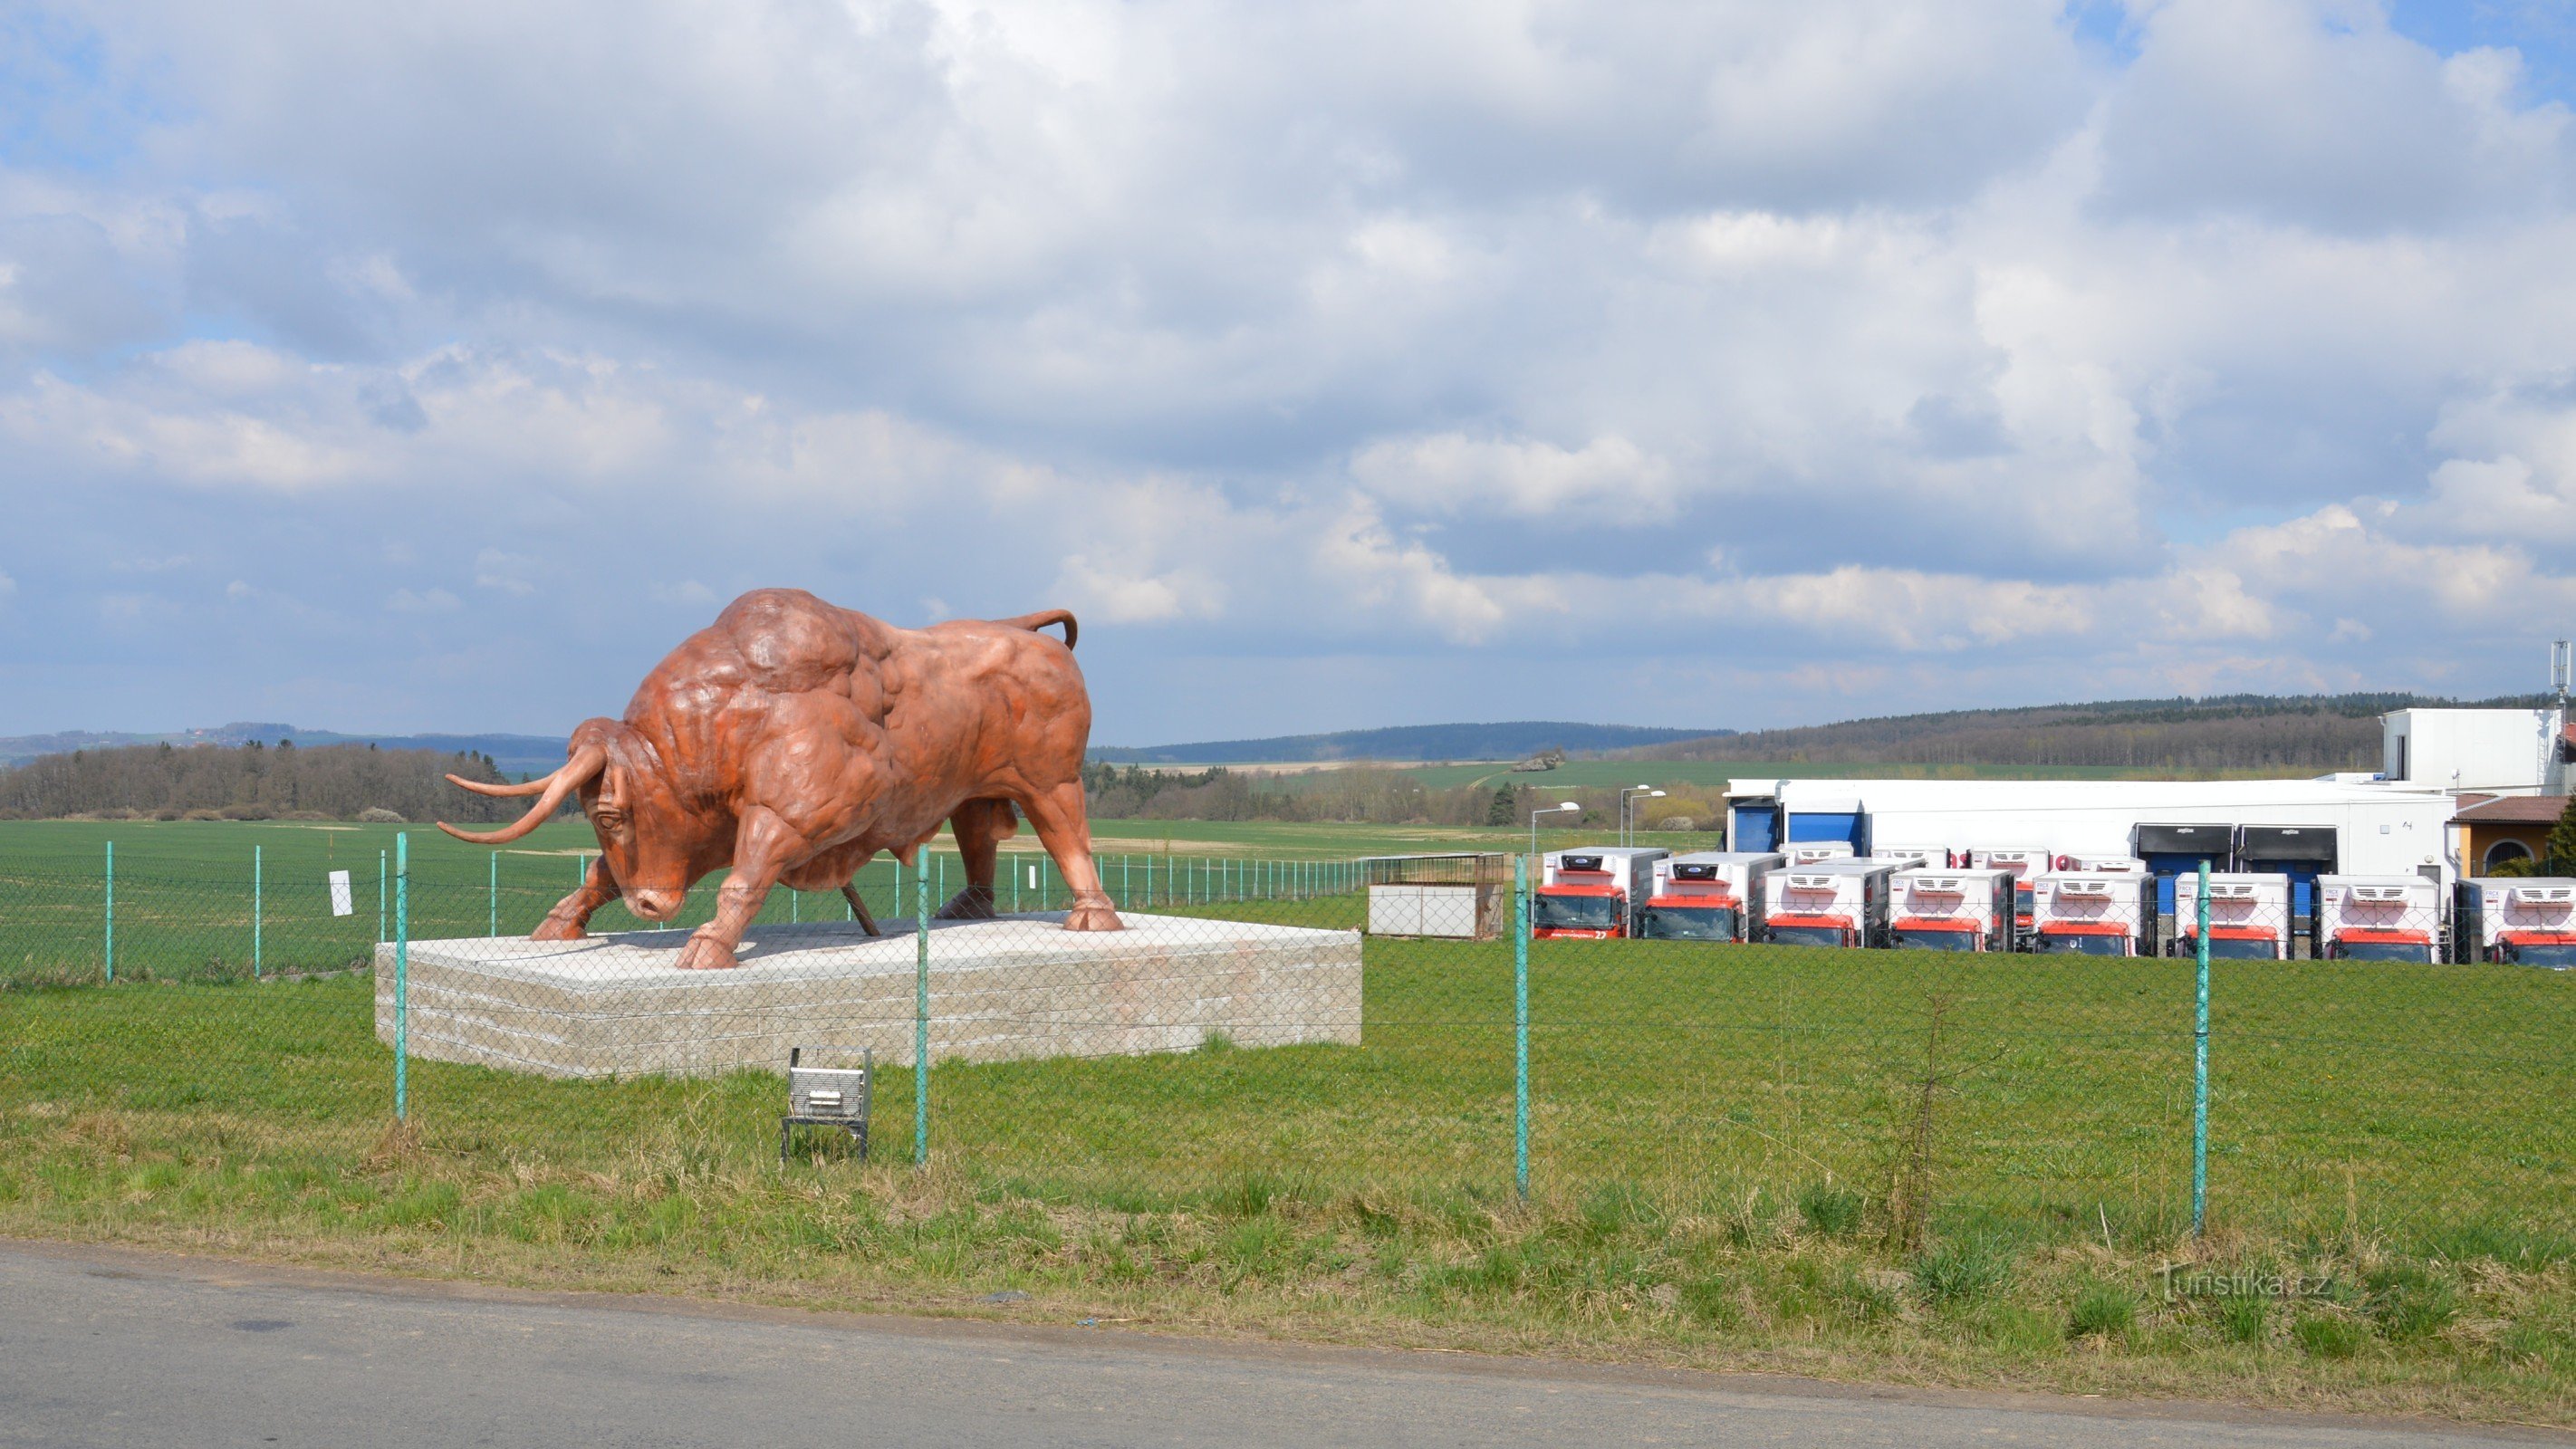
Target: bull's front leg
pixel 763 849
pixel 571 914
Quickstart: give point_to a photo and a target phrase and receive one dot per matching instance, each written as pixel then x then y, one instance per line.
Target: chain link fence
pixel 1928 1057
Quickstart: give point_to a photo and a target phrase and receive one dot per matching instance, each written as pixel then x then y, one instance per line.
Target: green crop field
pixel 1711 774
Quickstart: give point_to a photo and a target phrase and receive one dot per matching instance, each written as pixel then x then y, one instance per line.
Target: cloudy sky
pixel 1720 362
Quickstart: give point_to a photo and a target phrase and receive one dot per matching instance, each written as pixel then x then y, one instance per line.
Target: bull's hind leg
pixel 566 922
pixel 1064 828
pixel 981 827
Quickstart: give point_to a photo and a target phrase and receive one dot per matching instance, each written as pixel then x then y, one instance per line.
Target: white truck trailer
pixel 2026 862
pixel 1935 908
pixel 1708 895
pixel 1592 892
pixel 1828 903
pixel 1808 852
pixel 2530 921
pixel 2094 913
pixel 2249 916
pixel 2379 918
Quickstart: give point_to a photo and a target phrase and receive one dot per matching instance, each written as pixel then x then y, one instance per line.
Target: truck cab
pixel 1939 909
pixel 1591 894
pixel 2525 922
pixel 1840 903
pixel 2249 916
pixel 2093 913
pixel 2378 918
pixel 1708 895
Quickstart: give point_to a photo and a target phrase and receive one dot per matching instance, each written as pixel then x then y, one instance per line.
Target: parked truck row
pixel 2017 898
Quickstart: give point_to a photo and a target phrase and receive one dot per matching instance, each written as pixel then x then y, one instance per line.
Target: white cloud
pixel 1874 343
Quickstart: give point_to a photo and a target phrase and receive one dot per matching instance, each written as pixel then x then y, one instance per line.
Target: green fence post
pixel 494 892
pixel 111 913
pixel 402 977
pixel 256 912
pixel 795 906
pixel 1125 896
pixel 1520 1024
pixel 2200 1068
pixel 380 898
pixel 921 1020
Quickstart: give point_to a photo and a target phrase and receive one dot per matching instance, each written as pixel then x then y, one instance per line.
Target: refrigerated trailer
pixel 1935 908
pixel 2378 918
pixel 1708 895
pixel 2526 922
pixel 2094 913
pixel 2102 864
pixel 2249 916
pixel 1592 892
pixel 1828 903
pixel 2026 863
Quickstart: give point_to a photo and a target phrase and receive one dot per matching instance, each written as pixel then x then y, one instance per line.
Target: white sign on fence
pixel 341 902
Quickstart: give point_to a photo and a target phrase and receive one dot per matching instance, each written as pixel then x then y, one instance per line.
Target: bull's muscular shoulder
pixel 769 641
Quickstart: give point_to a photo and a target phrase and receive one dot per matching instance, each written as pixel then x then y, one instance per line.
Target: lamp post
pixel 1627 829
pixel 1545 810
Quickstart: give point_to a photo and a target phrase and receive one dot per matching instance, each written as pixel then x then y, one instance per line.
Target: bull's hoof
pixel 554 928
pixel 1093 915
pixel 975 903
pixel 705 953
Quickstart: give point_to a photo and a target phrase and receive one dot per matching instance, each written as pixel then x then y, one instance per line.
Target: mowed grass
pixel 1715 1134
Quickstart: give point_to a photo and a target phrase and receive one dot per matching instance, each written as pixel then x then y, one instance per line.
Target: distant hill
pixel 1509 741
pixel 514 754
pixel 2235 732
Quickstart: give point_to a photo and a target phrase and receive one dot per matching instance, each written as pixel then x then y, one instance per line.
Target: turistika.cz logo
pixel 2181 1280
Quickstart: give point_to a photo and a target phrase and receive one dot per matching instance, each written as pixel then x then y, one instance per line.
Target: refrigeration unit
pixel 1935 908
pixel 1808 852
pixel 2179 850
pixel 2378 918
pixel 1827 903
pixel 1908 857
pixel 1592 892
pixel 1708 895
pixel 2103 864
pixel 2094 913
pixel 2026 863
pixel 2529 921
pixel 2249 916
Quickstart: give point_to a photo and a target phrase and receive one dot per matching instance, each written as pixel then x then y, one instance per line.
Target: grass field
pixel 1718 1144
pixel 1720 1149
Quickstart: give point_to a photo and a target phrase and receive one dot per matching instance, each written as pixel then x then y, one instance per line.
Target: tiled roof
pixel 2513 810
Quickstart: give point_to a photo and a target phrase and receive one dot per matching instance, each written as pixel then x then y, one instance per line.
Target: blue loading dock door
pixel 2172 850
pixel 1835 820
pixel 1757 827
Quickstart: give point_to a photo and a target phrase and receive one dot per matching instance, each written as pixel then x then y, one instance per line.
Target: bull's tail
pixel 1044 617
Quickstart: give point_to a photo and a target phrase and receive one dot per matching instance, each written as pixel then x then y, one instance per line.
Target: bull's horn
pixel 589 760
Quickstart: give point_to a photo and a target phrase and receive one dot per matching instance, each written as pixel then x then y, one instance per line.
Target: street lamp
pixel 1545 810
pixel 1626 830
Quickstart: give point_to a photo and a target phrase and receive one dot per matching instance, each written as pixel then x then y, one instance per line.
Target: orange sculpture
pixel 793 740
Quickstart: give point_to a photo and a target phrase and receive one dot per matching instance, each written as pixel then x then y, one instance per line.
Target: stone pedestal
pixel 1016 987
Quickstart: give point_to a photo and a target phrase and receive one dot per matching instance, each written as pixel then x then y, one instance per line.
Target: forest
pixel 252 781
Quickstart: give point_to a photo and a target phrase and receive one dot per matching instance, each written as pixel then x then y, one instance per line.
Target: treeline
pixel 1367 795
pixel 2228 733
pixel 252 782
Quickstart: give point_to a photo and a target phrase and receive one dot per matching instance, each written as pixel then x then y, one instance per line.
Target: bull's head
pixel 643 832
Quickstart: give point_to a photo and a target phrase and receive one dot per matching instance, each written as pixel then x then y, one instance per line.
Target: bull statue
pixel 792 741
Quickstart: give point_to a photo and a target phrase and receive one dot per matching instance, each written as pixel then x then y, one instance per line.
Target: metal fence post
pixel 921 1020
pixel 111 913
pixel 380 897
pixel 402 977
pixel 2200 1067
pixel 494 891
pixel 1520 1024
pixel 257 905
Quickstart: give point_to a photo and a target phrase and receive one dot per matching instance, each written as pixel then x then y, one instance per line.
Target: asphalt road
pixel 116 1348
